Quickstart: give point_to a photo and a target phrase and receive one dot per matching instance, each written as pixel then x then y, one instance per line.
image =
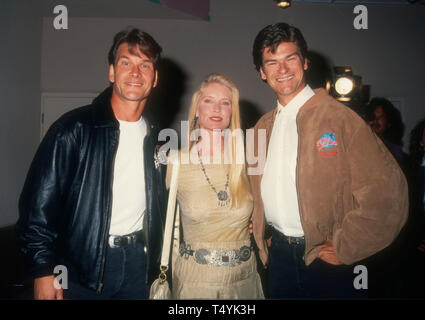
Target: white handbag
pixel 160 288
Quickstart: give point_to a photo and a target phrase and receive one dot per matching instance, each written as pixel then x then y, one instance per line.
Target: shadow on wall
pixel 166 99
pixel 319 70
pixel 250 114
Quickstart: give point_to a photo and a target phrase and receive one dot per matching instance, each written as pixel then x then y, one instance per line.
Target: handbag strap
pixel 169 222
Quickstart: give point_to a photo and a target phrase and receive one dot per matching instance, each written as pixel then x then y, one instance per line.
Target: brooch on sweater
pixel 159 157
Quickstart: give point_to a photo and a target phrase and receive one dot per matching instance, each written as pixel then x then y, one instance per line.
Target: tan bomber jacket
pixel 350 188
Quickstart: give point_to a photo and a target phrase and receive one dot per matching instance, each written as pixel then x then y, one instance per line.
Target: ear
pixel 305 64
pixel 262 74
pixel 111 73
pixel 156 79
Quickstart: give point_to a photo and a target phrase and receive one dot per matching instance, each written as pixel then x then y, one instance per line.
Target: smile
pixel 134 84
pixel 285 79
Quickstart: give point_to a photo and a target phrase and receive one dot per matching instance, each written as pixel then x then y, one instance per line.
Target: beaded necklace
pixel 222 195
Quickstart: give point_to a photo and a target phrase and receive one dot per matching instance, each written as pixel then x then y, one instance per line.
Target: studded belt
pixel 217 258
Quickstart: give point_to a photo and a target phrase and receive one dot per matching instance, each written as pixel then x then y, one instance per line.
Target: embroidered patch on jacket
pixel 326 145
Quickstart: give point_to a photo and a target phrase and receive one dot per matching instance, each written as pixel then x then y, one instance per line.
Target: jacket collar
pixel 319 95
pixel 102 114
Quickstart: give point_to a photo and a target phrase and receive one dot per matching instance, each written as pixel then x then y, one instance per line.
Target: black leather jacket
pixel 65 205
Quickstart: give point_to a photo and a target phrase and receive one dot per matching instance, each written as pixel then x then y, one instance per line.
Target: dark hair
pixel 135 37
pixel 272 36
pixel 395 132
pixel 416 150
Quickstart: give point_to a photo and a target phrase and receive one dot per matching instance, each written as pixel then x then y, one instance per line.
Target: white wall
pixel 389 55
pixel 20 55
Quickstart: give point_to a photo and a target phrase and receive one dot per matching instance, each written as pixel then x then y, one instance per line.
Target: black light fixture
pixel 283 3
pixel 346 85
pixel 348 89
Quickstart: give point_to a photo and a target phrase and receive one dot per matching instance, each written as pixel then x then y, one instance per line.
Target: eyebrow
pixel 208 96
pixel 295 53
pixel 128 58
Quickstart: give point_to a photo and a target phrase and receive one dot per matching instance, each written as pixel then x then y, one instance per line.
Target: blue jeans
pixel 124 276
pixel 290 278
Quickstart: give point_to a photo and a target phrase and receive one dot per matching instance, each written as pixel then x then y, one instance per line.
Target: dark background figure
pixel 385 120
pixel 415 262
pixel 386 268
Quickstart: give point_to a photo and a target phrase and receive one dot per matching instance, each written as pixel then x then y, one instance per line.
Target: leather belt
pixel 126 240
pixel 294 240
pixel 217 258
pixel 288 239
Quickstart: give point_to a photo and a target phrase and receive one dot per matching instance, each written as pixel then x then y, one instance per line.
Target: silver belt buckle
pixel 111 242
pixel 131 239
pixel 294 240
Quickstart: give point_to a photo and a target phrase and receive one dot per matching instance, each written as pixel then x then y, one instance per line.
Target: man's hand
pixel 45 290
pixel 327 253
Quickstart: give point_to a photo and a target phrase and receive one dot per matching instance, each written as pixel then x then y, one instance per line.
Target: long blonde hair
pixel 239 187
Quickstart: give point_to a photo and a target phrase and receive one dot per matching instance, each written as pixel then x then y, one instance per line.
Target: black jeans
pixel 290 278
pixel 124 276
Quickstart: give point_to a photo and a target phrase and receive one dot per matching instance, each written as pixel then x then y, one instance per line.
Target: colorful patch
pixel 326 144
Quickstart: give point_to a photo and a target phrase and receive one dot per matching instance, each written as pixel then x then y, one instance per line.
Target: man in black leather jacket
pixel 71 199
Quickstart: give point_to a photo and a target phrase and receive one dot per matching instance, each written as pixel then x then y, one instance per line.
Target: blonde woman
pixel 215 260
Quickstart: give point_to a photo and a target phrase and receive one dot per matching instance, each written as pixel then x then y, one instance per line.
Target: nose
pixel 283 68
pixel 135 71
pixel 216 107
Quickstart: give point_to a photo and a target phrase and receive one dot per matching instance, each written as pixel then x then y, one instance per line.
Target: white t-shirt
pixel 128 191
pixel 278 185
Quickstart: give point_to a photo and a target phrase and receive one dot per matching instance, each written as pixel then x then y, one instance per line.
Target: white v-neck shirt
pixel 278 185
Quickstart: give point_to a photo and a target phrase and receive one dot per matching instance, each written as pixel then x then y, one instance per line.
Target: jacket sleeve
pixel 255 176
pixel 380 196
pixel 42 200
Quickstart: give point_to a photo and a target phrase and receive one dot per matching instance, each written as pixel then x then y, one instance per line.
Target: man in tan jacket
pixel 330 190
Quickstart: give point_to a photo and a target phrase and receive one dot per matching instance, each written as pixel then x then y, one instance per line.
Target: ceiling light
pixel 283 3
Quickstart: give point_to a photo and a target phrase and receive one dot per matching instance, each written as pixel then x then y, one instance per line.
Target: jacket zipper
pixel 108 223
pixel 146 231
